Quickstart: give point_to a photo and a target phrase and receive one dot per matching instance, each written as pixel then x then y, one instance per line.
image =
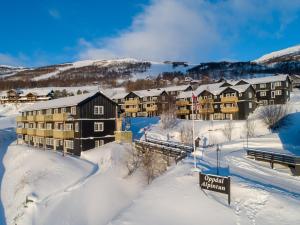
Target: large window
pixel 73 110
pixel 98 110
pixel 98 126
pixel 262 93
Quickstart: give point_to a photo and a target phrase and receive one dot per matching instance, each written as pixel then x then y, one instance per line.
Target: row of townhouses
pixel 233 99
pixel 151 102
pixel 18 96
pixel 72 124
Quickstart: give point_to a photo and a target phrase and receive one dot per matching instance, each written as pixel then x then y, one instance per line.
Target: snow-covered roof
pixel 176 88
pixel 185 94
pixel 119 95
pixel 240 88
pixel 262 80
pixel 214 88
pixel 148 93
pixel 61 102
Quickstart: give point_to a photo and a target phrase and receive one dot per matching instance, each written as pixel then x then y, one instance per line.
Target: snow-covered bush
pixel 186 135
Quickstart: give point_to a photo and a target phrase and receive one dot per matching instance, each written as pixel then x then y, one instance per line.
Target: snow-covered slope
pixel 288 54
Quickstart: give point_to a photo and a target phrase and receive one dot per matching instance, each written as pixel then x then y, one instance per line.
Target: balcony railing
pixel 31 118
pixel 21 131
pixel 44 118
pixel 63 134
pixel 132 110
pixel 232 109
pixel 21 118
pixel 44 133
pixel 31 131
pixel 183 112
pixel 151 108
pixel 208 110
pixel 60 117
pixel 132 102
pixel 229 99
pixel 182 103
pixel 206 101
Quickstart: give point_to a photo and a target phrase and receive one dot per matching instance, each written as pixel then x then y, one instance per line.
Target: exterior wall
pixel 66 127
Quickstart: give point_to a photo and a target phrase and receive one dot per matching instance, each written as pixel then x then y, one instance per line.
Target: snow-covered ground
pixel 95 188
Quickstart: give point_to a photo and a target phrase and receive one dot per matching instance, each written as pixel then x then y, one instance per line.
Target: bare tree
pixel 273 115
pixel 133 160
pixel 227 130
pixel 186 135
pixel 168 119
pixel 250 128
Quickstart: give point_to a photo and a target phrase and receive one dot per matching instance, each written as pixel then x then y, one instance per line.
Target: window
pixel 278 92
pixel 145 99
pixel 56 111
pixel 287 92
pixel 216 106
pixel 73 110
pixel 272 94
pixel 98 126
pixel 241 94
pixel 69 144
pixel 49 126
pixel 99 143
pixel 263 93
pixel 76 127
pixel 250 105
pixel 98 110
pixel 49 111
pixel 277 84
pixel 232 94
pixel 250 94
pixel 63 110
pixel 215 96
pixel 68 126
pixel 49 141
pixel 287 83
pixel 262 85
pixel 163 98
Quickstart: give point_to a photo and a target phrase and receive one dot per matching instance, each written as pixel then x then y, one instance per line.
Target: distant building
pixel 71 124
pixel 18 96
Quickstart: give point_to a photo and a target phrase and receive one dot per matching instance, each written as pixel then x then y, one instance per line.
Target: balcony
pixel 132 102
pixel 44 133
pixel 183 112
pixel 44 118
pixel 206 101
pixel 182 103
pixel 31 131
pixel 229 99
pixel 63 134
pixel 132 110
pixel 31 118
pixel 60 117
pixel 21 118
pixel 151 108
pixel 232 109
pixel 21 131
pixel 205 111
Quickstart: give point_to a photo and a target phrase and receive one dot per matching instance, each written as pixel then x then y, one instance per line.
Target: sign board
pixel 215 183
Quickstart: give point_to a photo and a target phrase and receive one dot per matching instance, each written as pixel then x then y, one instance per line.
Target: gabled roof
pixel 262 80
pixel 64 102
pixel 241 88
pixel 148 93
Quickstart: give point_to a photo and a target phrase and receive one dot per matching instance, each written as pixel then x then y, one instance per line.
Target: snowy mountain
pixel 285 55
pixel 119 68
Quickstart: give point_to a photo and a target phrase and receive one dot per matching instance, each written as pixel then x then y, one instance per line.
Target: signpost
pixel 215 183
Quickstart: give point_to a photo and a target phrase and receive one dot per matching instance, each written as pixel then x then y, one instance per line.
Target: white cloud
pixel 193 30
pixel 54 13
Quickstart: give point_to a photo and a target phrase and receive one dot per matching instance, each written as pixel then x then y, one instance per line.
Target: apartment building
pixel 214 102
pixel 271 90
pixel 151 102
pixel 19 96
pixel 146 103
pixel 71 124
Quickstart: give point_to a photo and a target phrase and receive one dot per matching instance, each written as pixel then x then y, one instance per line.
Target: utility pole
pixel 218 150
